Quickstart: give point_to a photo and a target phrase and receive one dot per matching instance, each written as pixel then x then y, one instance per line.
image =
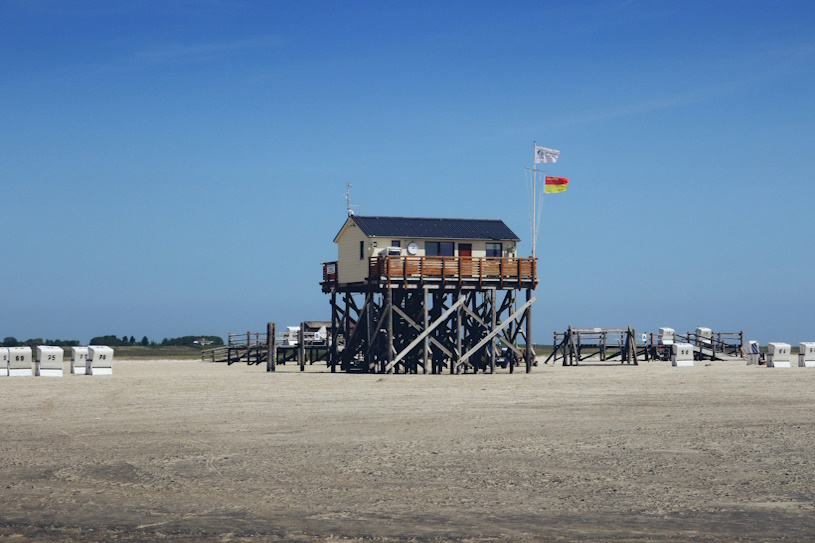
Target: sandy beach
pixel 193 451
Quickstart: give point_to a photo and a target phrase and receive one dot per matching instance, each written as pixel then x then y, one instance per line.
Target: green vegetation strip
pixel 152 352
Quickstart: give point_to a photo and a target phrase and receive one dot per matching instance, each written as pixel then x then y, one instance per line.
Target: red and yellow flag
pixel 555 184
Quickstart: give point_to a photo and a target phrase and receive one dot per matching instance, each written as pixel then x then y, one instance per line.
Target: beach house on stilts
pixel 433 295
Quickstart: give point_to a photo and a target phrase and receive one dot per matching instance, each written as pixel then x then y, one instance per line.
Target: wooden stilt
pixel 529 348
pixel 454 364
pixel 271 348
pixel 426 340
pixel 404 324
pixel 332 348
pixel 301 347
pixel 388 314
pixel 492 343
pixel 369 351
pixel 347 326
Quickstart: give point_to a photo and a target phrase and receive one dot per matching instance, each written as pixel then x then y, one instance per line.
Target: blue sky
pixel 179 168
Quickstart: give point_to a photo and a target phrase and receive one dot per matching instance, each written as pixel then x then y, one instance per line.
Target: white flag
pixel 543 155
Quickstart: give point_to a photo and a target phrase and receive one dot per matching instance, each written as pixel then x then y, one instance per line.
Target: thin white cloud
pixel 795 59
pixel 201 52
pixel 640 107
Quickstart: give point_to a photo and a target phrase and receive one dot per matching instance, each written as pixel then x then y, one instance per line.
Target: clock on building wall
pixel 412 248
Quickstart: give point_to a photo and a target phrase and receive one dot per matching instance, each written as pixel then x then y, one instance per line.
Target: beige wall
pixel 353 270
pixel 350 268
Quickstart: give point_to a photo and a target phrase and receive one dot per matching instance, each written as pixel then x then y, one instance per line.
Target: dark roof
pixel 415 227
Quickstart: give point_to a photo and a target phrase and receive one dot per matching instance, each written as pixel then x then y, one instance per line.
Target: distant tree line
pixel 124 341
pixel 33 342
pixel 115 341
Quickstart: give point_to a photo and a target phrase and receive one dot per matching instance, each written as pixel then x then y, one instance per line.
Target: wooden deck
pixel 255 348
pixel 443 272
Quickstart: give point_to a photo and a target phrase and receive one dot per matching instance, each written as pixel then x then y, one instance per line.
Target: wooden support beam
pixel 411 322
pixel 426 332
pixel 332 349
pixel 368 352
pixel 425 342
pixel 382 319
pixel 529 349
pixel 492 327
pixel 301 348
pixel 388 313
pixel 477 318
pixel 348 353
pixel 509 320
pixel 271 348
pixel 454 363
pixel 347 326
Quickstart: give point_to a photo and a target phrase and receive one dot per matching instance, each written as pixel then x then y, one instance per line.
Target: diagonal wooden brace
pixel 495 332
pixel 435 341
pixel 502 339
pixel 421 336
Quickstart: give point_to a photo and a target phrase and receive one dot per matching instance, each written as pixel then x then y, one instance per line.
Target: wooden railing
pixel 404 269
pixel 728 343
pixel 407 268
pixel 247 338
pixel 451 266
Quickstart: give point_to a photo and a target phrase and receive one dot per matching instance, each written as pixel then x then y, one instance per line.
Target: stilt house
pixel 427 294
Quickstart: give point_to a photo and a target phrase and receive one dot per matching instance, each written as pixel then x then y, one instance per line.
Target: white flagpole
pixel 534 195
pixel 534 170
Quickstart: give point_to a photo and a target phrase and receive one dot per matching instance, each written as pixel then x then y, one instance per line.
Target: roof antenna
pixel 348 199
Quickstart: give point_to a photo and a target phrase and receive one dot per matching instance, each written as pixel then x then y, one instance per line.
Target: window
pixel 494 249
pixel 362 250
pixel 396 243
pixel 438 248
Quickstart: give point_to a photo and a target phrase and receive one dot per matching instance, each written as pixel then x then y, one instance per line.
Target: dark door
pixel 465 256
